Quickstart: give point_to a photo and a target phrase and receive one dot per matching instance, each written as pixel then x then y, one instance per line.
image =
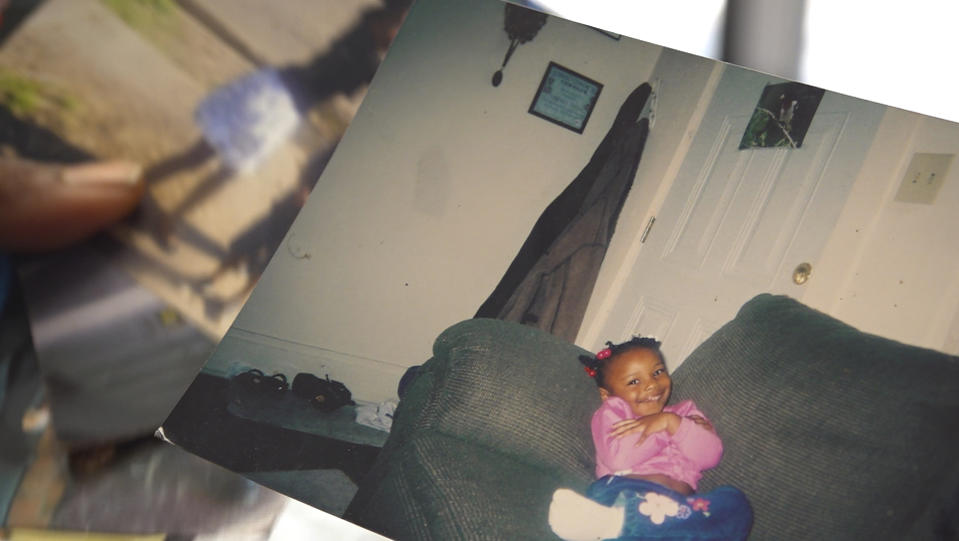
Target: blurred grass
pixel 178 36
pixel 139 12
pixel 27 97
pixel 154 19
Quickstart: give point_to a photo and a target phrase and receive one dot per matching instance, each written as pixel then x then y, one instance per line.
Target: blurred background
pixel 100 337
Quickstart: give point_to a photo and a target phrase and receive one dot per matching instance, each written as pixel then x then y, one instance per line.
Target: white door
pixel 736 223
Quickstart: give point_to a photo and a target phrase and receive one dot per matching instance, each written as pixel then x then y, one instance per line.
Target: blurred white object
pixel 299 521
pixel 692 26
pixel 247 119
pixel 895 53
pixel 379 416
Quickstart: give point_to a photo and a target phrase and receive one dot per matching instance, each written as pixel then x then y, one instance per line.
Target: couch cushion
pixel 515 389
pixel 444 488
pixel 831 432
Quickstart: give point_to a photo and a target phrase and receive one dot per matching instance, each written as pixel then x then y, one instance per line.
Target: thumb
pixel 48 206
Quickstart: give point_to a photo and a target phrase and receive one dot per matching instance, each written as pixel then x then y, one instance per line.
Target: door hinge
pixel 646 231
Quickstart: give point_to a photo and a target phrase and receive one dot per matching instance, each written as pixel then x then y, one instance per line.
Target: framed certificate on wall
pixel 565 97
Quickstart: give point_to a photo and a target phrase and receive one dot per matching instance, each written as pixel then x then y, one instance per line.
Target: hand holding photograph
pixel 412 358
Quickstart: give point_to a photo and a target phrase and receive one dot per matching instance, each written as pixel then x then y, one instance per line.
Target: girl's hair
pixel 596 364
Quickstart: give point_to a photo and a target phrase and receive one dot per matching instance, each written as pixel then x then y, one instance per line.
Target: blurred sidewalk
pixel 132 73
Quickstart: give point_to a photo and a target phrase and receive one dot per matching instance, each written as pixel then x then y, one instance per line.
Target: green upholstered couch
pixel 831 432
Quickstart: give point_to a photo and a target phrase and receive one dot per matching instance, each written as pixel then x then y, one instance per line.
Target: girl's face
pixel 639 377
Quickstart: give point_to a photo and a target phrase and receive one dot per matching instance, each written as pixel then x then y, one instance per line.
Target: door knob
pixel 801 273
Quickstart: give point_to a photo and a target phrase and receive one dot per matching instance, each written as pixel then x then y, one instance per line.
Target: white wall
pixel 432 192
pixel 892 268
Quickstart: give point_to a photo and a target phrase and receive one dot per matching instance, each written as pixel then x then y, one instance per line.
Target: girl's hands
pixel 649 424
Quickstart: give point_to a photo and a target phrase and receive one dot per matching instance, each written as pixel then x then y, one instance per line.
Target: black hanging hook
pixel 521 25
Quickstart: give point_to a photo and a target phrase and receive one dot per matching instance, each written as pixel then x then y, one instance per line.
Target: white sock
pixel 577 518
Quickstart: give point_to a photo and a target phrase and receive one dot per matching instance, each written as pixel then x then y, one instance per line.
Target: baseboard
pixel 368 379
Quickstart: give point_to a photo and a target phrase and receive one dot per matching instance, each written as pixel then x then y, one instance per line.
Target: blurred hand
pixel 48 206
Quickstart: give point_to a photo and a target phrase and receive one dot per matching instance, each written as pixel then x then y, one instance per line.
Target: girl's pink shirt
pixel 682 456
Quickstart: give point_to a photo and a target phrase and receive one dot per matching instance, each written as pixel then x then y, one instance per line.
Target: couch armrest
pixel 516 389
pixel 488 429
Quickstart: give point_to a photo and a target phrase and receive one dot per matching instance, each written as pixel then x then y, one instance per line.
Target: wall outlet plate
pixel 924 177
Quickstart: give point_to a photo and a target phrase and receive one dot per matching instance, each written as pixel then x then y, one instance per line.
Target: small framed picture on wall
pixel 565 97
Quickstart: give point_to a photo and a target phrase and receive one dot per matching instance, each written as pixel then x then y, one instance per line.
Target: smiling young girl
pixel 649 459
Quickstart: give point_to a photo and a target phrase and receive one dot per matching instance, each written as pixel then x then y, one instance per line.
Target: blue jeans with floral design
pixel 656 512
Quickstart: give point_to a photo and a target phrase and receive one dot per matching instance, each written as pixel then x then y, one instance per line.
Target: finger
pixel 700 420
pixel 623 428
pixel 44 207
pixel 641 439
pixel 620 426
pixel 639 429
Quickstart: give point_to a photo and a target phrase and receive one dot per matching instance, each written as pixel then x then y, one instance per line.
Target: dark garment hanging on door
pixel 549 283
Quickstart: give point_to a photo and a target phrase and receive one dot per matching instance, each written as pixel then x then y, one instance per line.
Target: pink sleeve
pixel 696 442
pixel 619 454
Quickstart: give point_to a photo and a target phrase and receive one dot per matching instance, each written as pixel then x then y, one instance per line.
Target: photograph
pixel 782 116
pixel 476 269
pixel 423 352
